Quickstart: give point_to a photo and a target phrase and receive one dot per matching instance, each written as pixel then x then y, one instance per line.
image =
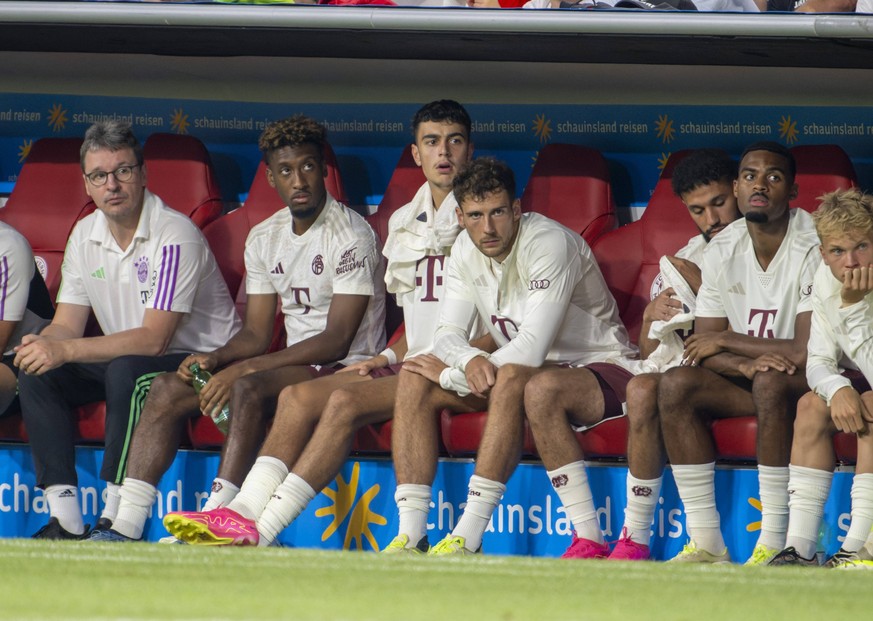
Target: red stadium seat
pixel 180 172
pixel 48 199
pixel 404 183
pixel 821 168
pixel 629 256
pixel 570 183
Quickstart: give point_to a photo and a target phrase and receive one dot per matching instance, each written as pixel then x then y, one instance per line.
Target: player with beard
pixel 748 352
pixel 704 183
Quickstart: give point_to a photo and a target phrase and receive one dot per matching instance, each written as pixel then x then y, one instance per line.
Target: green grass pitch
pixel 80 580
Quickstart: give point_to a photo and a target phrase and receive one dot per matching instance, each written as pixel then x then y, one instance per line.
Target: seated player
pixel 747 354
pixel 838 369
pixel 537 287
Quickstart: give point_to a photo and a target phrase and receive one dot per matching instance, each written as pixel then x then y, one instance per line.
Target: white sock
pixel 110 509
pixel 222 492
pixel 482 498
pixel 289 500
pixel 696 485
pixel 808 490
pixel 136 500
pixel 63 502
pixel 265 476
pixel 413 505
pixel 570 482
pixel 862 512
pixel 642 501
pixel 773 489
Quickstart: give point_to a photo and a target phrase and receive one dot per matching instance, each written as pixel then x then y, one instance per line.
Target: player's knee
pixel 166 395
pixel 343 409
pixel 642 399
pixel 541 389
pixel 676 387
pixel 813 419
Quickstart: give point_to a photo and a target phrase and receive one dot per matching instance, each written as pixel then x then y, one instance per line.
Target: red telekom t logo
pixel 765 320
pixel 431 278
pixel 297 293
pixel 503 324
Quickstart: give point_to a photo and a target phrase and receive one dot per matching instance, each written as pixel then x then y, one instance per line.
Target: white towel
pixel 411 237
pixel 670 351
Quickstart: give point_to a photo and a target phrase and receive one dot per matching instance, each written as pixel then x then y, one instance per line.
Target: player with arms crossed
pixel 747 355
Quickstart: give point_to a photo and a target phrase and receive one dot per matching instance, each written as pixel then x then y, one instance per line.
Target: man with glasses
pixel 150 279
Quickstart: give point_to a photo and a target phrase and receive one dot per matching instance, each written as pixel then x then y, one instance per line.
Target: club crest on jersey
pixel 317 265
pixel 349 262
pixel 42 266
pixel 657 286
pixel 542 283
pixel 142 269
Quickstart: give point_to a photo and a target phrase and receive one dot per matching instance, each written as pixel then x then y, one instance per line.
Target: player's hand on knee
pixel 364 367
pixel 846 411
pixel 428 366
pixel 481 376
pixel 767 362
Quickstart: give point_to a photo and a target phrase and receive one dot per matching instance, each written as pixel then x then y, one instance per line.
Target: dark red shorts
pixel 613 381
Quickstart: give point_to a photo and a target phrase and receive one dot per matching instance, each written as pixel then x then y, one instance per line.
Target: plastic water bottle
pixel 201 376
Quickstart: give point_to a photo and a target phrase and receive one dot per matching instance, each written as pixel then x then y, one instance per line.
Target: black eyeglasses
pixel 122 174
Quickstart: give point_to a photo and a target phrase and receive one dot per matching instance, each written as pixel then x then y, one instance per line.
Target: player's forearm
pixel 726 364
pixel 647 345
pixel 135 342
pixel 753 347
pixel 244 344
pixel 321 349
pixel 451 345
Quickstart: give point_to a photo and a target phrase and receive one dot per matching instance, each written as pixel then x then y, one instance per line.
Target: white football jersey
pixel 839 338
pixel 168 266
pixel 546 302
pixel 337 255
pixel 417 249
pixel 16 270
pixel 757 302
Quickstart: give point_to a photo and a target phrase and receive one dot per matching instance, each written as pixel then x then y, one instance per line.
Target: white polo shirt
pixel 546 302
pixel 339 254
pixel 16 271
pixel 758 302
pixel 840 338
pixel 168 266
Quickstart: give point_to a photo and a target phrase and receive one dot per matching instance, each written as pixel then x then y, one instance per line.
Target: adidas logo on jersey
pixel 99 274
pixel 737 289
pixel 67 493
pixel 278 269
